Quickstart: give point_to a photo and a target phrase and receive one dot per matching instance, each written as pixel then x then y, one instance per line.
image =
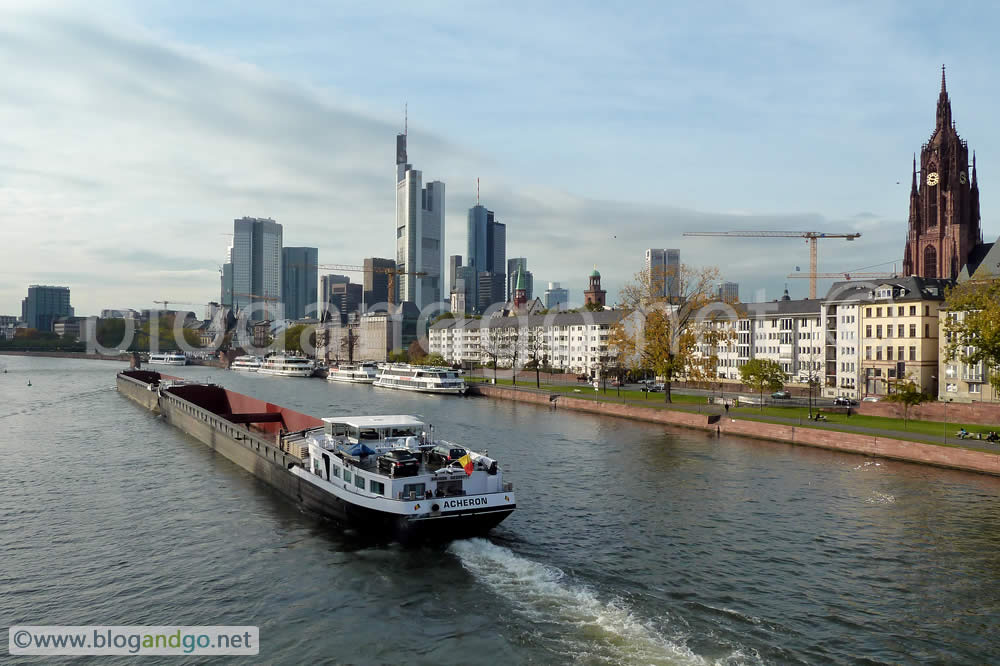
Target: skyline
pixel 133 146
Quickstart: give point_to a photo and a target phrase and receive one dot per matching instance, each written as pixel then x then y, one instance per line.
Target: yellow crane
pixel 846 275
pixel 811 237
pixel 390 272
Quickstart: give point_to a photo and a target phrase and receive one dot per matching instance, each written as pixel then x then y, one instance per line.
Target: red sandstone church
pixel 945 228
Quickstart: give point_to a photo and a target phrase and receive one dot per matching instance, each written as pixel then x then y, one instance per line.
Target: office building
pixel 663 270
pixel 299 266
pixel 529 283
pixel 420 215
pixel 454 263
pixel 556 298
pixel 728 292
pixel 377 280
pixel 487 251
pixel 257 275
pixel 43 305
pixel 330 289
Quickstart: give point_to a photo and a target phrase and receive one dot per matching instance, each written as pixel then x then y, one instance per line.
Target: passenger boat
pixel 168 358
pixel 360 373
pixel 347 469
pixel 286 365
pixel 425 379
pixel 246 363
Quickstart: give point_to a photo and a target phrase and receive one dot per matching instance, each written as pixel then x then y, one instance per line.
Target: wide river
pixel 632 543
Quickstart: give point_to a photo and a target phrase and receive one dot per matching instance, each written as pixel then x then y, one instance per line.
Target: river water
pixel 632 543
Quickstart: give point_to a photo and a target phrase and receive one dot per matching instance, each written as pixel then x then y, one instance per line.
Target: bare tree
pixel 492 344
pixel 535 350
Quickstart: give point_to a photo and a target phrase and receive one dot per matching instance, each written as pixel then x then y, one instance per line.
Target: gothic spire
pixel 913 188
pixel 974 184
pixel 944 105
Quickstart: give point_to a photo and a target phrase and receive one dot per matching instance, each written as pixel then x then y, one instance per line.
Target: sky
pixel 134 133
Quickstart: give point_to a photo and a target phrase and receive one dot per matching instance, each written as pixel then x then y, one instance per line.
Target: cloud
pixel 127 155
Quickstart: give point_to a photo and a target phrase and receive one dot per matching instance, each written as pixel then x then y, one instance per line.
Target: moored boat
pixel 424 379
pixel 168 358
pixel 386 476
pixel 286 365
pixel 357 373
pixel 246 363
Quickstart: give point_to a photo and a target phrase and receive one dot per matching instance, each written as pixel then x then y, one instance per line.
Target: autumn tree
pixel 908 394
pixel 762 374
pixel 666 334
pixel 973 326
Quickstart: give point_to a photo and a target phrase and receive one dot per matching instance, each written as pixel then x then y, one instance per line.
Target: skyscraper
pixel 512 265
pixel 328 287
pixel 376 281
pixel 300 266
pixel 257 267
pixel 556 297
pixel 419 232
pixel 729 292
pixel 486 256
pixel 454 263
pixel 663 269
pixel 43 305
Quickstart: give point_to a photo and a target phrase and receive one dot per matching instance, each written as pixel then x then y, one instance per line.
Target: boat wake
pixel 589 629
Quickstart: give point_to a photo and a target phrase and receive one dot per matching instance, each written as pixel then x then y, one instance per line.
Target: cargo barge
pixel 336 467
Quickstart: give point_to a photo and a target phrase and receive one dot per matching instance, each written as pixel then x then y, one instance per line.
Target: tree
pixel 593 307
pixel 663 335
pixel 416 352
pixel 762 374
pixel 512 347
pixel 349 344
pixel 534 351
pixel 492 344
pixel 292 338
pixel 398 356
pixel 908 394
pixel 443 315
pixel 434 359
pixel 973 326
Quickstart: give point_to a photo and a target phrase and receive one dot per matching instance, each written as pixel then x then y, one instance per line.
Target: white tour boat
pixel 389 474
pixel 358 373
pixel 168 358
pixel 246 363
pixel 287 365
pixel 425 379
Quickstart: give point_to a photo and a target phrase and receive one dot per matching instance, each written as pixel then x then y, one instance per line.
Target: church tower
pixel 944 202
pixel 595 295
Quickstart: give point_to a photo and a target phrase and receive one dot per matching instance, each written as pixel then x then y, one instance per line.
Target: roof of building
pixel 595 273
pixel 549 319
pixel 784 307
pixel 984 262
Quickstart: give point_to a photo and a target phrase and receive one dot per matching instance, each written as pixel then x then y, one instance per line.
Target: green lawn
pixel 929 429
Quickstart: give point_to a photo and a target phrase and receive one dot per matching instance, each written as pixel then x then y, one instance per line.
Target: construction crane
pixel 390 272
pixel 846 275
pixel 810 236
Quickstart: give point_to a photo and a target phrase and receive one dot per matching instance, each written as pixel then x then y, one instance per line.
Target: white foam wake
pixel 592 630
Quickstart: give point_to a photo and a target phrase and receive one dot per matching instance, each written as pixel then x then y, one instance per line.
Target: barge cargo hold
pixel 297 454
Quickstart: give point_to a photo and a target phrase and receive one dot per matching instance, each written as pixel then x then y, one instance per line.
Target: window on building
pixel 888 353
pixel 878 353
pixel 868 312
pixel 888 331
pixel 975 388
pixel 899 311
pixel 913 353
pixel 878 312
pixel 913 330
pixel 868 331
pixel 900 331
pixel 868 353
pixel 927 311
pixel 878 331
pixel 927 330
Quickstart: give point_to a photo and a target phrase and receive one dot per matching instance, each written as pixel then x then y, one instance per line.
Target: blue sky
pixel 138 131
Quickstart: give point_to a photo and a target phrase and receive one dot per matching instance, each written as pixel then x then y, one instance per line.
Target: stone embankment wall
pixel 870 445
pixel 982 413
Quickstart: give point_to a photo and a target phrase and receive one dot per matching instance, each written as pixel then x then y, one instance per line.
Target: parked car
pixel 781 395
pixel 443 454
pixel 844 401
pixel 870 398
pixel 398 463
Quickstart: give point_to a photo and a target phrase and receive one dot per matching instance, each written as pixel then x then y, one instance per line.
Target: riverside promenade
pixel 970 455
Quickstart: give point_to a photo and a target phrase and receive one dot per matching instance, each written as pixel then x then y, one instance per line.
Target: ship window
pixel 347 475
pixel 336 471
pixel 359 481
pixel 416 488
pixel 369 433
pixel 377 487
